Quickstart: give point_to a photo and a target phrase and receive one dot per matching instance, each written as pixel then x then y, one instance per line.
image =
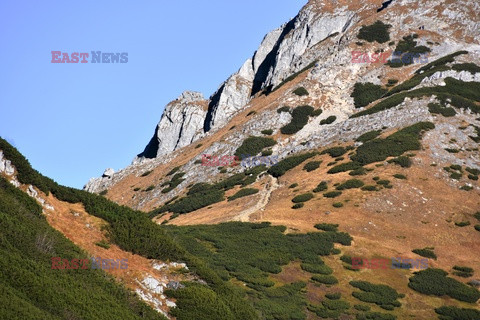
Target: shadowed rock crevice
pixel 270 60
pixel 151 149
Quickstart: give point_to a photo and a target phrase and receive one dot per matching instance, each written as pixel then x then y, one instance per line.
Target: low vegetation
pixel 426 252
pixel 254 145
pixel 300 91
pixel 313 165
pixel 380 294
pixel 350 184
pixel 289 163
pixel 302 198
pixel 243 193
pixel 329 120
pixel 299 120
pixel 365 93
pixel 435 282
pixel 377 31
pixel 322 186
pixel 369 136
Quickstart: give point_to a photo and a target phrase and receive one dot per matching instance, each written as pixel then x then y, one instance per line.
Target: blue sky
pixel 74 120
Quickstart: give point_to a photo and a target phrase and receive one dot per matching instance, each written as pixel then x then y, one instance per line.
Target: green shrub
pixel 299 120
pixel 375 316
pixel 174 182
pixel 251 113
pixel 301 91
pixel 150 188
pixel 399 176
pixel 320 268
pixel 198 145
pixel 289 163
pixel 435 282
pixel 293 185
pixel 325 279
pixel 464 272
pixel 358 172
pixel 302 198
pixel 476 215
pixel 369 136
pixel 396 144
pixel 441 61
pixel 103 243
pixel 456 175
pixel 348 166
pixel 332 194
pixel 136 189
pixel 146 173
pixel 267 132
pixel 173 171
pixel 403 161
pixel 454 313
pixel 462 223
pixel 298 205
pixel 103 192
pixel 425 252
pixel 361 307
pixel 243 193
pixel 369 188
pixel 333 296
pixel 329 120
pixel 283 109
pixel 472 177
pixel 470 67
pixel 436 108
pixel 310 166
pixel 267 153
pixel 473 171
pixel 351 184
pixel 376 32
pixel 337 205
pixel 223 170
pixel 316 113
pixel 477 227
pixel 254 145
pixel 380 294
pixel 365 93
pixel 335 152
pixel 197 161
pixel 327 227
pixel 408 46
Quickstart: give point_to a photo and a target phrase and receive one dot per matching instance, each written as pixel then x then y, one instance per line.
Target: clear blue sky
pixel 74 120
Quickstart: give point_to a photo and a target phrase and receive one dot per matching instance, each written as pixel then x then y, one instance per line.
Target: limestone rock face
pixel 181 124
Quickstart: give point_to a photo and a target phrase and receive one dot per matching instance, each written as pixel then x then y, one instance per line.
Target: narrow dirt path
pixel 270 186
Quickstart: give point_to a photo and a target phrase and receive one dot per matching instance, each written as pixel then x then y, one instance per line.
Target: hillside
pixel 367 208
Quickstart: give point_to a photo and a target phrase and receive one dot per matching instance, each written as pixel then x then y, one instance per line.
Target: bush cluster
pixel 254 145
pixel 299 120
pixel 243 193
pixel 310 166
pixel 375 32
pixel 369 136
pixel 289 163
pixel 322 186
pixel 425 252
pixel 365 93
pixel 351 184
pixel 435 282
pixel 380 294
pixel 329 120
pixel 396 144
pixel 300 91
pixel 302 198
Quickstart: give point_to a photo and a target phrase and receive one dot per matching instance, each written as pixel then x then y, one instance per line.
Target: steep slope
pixel 388 152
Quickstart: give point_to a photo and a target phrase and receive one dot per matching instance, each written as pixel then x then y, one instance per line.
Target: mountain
pixel 346 187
